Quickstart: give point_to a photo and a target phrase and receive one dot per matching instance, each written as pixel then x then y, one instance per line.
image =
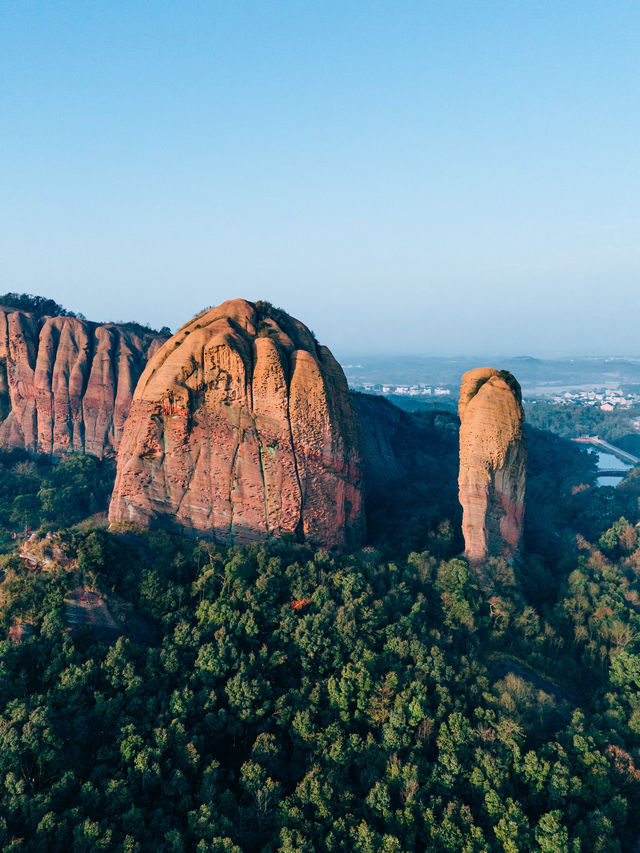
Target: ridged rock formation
pixel 66 384
pixel 493 457
pixel 242 428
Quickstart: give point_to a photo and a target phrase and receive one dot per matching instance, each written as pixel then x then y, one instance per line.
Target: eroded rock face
pixel 493 456
pixel 242 428
pixel 66 384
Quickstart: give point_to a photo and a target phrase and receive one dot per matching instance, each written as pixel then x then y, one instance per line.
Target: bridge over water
pixel 617 452
pixel 604 445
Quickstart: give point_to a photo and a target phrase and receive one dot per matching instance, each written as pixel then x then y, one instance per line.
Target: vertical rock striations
pixel 493 458
pixel 66 384
pixel 242 428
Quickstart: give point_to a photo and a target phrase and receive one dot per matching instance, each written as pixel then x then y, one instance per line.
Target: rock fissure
pixel 299 527
pixel 232 478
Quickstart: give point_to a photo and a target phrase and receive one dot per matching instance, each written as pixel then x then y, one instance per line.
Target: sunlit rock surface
pixel 66 384
pixel 241 429
pixel 493 456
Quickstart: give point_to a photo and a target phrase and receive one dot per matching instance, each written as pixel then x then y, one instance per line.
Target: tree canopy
pixel 275 698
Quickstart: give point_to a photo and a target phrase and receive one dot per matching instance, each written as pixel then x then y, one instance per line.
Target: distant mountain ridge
pixel 536 376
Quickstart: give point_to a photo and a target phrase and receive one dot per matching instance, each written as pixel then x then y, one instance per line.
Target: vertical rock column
pixel 493 455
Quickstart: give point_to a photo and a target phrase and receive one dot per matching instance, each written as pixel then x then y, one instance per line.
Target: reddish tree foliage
pixel 623 763
pixel 301 603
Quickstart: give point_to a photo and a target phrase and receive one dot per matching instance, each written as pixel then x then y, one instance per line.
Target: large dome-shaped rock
pixel 242 428
pixel 66 384
pixel 493 457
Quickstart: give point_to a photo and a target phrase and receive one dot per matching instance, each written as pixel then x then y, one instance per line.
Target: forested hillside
pixel 276 698
pixel 618 426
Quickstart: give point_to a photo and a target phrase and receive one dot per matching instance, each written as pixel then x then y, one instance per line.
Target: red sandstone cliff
pixel 242 428
pixel 493 456
pixel 66 384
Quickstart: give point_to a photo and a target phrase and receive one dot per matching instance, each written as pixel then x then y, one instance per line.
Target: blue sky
pixel 411 177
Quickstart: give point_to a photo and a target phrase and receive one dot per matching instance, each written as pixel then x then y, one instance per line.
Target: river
pixel 609 461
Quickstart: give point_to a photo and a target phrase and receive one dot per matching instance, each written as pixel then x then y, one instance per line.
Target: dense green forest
pixel 40 306
pixel 35 493
pixel 618 426
pixel 285 699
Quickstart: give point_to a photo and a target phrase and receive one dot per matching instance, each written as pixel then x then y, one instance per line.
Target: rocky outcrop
pixel 242 428
pixel 45 550
pixel 66 384
pixel 493 457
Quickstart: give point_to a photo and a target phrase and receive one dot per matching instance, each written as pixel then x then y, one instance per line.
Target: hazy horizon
pixel 345 353
pixel 431 179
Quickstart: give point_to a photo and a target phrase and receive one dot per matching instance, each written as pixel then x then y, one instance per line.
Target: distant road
pixel 617 451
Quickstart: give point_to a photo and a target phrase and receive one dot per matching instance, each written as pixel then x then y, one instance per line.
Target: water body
pixel 609 480
pixel 608 462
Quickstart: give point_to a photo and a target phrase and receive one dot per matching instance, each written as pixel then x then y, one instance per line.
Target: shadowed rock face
pixel 242 428
pixel 493 456
pixel 66 384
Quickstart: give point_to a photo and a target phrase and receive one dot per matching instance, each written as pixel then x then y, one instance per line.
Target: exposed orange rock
pixel 493 456
pixel 20 631
pixel 66 384
pixel 45 551
pixel 242 428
